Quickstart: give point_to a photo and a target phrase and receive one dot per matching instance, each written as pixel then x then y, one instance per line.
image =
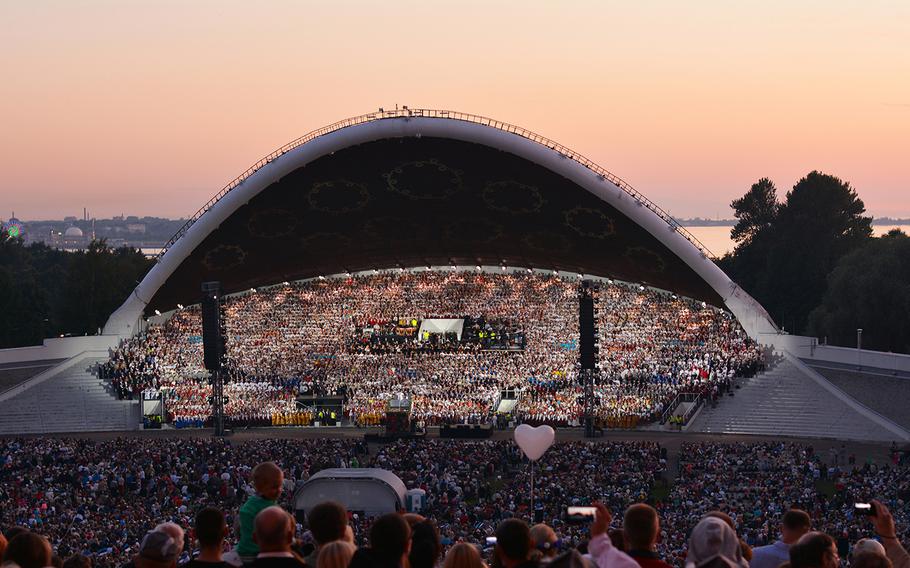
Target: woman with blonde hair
pixel 463 555
pixel 335 554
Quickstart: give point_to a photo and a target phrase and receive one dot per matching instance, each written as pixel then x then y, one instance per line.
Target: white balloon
pixel 534 442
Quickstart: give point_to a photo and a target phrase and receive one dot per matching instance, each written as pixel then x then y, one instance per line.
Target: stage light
pixel 179 306
pixel 157 313
pixel 252 290
pixel 478 268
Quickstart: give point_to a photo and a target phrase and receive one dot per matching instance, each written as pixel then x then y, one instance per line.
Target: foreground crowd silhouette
pixel 202 502
pixel 360 338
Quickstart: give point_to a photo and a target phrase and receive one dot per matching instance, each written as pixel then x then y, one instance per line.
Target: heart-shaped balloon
pixel 534 442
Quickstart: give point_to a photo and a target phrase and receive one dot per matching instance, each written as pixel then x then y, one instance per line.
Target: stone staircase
pixel 791 400
pixel 73 400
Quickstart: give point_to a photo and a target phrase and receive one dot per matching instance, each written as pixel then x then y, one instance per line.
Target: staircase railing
pixel 682 397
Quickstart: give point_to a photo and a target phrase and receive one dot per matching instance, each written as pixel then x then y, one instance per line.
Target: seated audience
pixel 357 338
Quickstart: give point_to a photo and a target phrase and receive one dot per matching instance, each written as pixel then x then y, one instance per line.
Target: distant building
pixel 73 238
pixel 136 228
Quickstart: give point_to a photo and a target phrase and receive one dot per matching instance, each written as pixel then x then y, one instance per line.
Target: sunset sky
pixel 148 108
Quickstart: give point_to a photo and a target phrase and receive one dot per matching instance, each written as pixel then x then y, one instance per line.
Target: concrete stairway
pixel 792 400
pixel 73 400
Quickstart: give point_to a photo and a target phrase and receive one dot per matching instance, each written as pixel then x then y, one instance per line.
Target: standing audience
pixel 274 533
pixel 794 524
pixel 210 531
pixel 641 526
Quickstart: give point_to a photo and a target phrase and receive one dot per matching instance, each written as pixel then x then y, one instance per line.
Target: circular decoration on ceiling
pixel 224 257
pixel 548 242
pixel 589 222
pixel 396 231
pixel 338 196
pixel 475 230
pixel 424 179
pixel 645 259
pixel 510 196
pixel 322 243
pixel 272 223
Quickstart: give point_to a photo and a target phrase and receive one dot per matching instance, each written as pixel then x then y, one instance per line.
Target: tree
pixel 99 280
pixel 869 289
pixel 46 292
pixel 755 212
pixel 784 263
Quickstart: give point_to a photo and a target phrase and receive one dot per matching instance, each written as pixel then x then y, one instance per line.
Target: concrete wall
pixel 807 348
pixel 860 358
pixel 59 348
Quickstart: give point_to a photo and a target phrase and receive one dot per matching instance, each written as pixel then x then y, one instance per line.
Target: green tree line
pixel 812 262
pixel 45 292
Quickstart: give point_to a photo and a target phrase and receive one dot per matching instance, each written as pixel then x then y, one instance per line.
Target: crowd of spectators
pixel 98 498
pixel 358 338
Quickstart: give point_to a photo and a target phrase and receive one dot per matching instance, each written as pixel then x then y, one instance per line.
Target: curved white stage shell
pixel 127 320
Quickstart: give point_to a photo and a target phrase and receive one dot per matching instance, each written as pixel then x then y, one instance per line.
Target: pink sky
pixel 149 108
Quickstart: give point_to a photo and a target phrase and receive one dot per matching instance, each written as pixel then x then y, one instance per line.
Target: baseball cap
pixel 159 547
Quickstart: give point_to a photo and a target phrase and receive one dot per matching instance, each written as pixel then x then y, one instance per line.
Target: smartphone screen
pixel 580 511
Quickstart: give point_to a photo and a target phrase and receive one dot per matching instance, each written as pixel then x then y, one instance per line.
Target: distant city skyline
pixel 151 107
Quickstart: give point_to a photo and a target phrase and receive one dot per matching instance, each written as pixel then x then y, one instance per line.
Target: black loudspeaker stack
pixel 214 348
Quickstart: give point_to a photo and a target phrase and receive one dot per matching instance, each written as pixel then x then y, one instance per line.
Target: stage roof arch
pixel 420 187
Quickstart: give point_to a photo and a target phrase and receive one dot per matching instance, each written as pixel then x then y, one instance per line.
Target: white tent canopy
pixel 371 491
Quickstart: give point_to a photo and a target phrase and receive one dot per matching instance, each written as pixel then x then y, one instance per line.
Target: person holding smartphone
pixel 883 523
pixel 602 551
